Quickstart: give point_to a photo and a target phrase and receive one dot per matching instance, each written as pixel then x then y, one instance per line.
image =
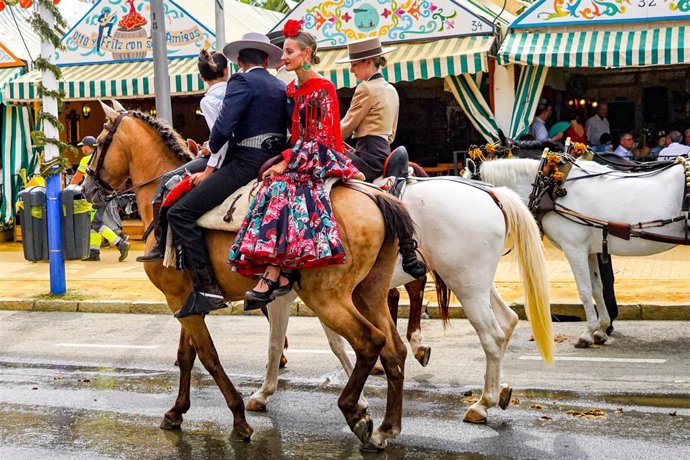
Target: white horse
pixel 463 234
pixel 609 196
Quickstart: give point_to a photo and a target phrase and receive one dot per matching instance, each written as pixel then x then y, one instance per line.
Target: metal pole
pixel 161 77
pixel 220 25
pixel 53 186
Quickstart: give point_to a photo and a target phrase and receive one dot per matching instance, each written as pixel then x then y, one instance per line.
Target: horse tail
pixel 523 235
pixel 400 224
pixel 442 297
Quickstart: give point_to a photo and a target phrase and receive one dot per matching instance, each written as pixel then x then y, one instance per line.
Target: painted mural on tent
pixel 8 59
pixel 335 22
pixel 569 12
pixel 120 30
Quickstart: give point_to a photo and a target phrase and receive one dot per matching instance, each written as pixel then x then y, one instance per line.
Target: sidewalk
pixel 660 283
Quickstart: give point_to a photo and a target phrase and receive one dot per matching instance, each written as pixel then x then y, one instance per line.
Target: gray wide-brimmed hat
pixel 364 49
pixel 255 41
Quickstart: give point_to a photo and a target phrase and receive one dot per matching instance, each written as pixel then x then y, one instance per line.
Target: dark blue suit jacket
pixel 255 103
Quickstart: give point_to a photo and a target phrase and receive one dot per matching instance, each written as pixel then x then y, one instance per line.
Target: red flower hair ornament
pixel 292 28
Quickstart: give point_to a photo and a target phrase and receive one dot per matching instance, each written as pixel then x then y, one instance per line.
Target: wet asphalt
pixel 96 386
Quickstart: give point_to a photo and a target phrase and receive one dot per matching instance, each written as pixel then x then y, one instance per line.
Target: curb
pixel 659 312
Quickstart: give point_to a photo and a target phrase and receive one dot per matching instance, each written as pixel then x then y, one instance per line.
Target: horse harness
pixel 549 185
pixel 104 189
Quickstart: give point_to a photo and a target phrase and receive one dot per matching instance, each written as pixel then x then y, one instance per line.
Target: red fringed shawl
pixel 317 114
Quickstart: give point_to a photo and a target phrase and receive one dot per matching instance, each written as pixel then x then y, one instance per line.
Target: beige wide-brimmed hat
pixel 256 41
pixel 364 49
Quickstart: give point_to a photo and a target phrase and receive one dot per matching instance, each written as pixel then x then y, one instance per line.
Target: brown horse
pixel 349 298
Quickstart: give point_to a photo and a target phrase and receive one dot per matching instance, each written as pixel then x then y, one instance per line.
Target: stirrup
pixel 199 303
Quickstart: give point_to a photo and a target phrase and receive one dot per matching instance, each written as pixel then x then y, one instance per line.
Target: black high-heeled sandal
pixel 266 296
pixel 293 277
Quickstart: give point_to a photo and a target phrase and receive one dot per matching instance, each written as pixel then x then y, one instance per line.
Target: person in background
pixel 598 124
pixel 624 149
pixel 661 143
pixel 675 148
pixel 538 128
pixel 642 152
pixel 373 114
pixel 577 131
pixel 687 136
pixel 605 144
pixel 98 228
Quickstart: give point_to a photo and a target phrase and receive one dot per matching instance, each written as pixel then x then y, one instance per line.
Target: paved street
pixel 76 385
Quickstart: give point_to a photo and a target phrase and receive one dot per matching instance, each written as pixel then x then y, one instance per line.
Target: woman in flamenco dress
pixel 290 224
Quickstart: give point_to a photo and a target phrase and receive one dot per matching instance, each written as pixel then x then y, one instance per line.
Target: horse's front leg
pixel 278 317
pixel 195 326
pixel 339 348
pixel 186 354
pixel 579 264
pixel 600 335
pixel 415 289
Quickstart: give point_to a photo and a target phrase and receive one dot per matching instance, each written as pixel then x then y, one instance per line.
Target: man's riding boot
pixel 206 295
pixel 158 250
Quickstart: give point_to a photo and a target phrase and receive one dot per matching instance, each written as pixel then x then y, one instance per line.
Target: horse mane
pixel 171 138
pixel 508 172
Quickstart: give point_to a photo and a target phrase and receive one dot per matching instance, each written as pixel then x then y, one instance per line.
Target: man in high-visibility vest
pixel 98 228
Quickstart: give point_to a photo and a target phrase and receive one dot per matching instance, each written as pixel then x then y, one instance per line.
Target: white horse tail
pixel 524 238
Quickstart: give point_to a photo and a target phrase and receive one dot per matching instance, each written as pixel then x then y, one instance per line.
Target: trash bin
pixel 32 209
pixel 76 224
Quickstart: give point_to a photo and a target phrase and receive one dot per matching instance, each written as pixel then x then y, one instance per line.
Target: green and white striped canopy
pixel 416 61
pixel 597 48
pixel 7 74
pixel 121 80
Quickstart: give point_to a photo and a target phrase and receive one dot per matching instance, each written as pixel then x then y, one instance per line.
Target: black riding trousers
pixel 243 166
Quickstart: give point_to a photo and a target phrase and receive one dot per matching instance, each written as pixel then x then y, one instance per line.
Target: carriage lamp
pixel 86 110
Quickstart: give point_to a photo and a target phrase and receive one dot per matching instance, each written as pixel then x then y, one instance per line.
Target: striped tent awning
pixel 121 80
pixel 416 61
pixel 8 74
pixel 598 48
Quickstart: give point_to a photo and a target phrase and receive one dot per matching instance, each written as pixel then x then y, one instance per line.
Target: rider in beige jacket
pixel 373 115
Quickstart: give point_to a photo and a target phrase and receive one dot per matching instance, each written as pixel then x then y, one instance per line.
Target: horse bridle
pixel 102 186
pixel 104 189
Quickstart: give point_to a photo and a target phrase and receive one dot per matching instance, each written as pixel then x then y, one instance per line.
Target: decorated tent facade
pixel 15 144
pixel 617 49
pixel 445 40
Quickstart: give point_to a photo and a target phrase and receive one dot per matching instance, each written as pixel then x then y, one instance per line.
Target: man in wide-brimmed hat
pixel 253 121
pixel 373 115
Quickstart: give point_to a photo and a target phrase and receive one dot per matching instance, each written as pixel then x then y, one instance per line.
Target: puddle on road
pixel 81 434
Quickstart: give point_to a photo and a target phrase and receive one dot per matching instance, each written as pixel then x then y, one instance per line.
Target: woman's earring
pixel 306 65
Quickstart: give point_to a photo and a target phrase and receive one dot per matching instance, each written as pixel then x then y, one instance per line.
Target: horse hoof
pixel 170 425
pixel 581 343
pixel 423 355
pixel 283 362
pixel 609 330
pixel 255 406
pixel 373 448
pixel 473 417
pixel 238 436
pixel 504 397
pixel 600 340
pixel 363 429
